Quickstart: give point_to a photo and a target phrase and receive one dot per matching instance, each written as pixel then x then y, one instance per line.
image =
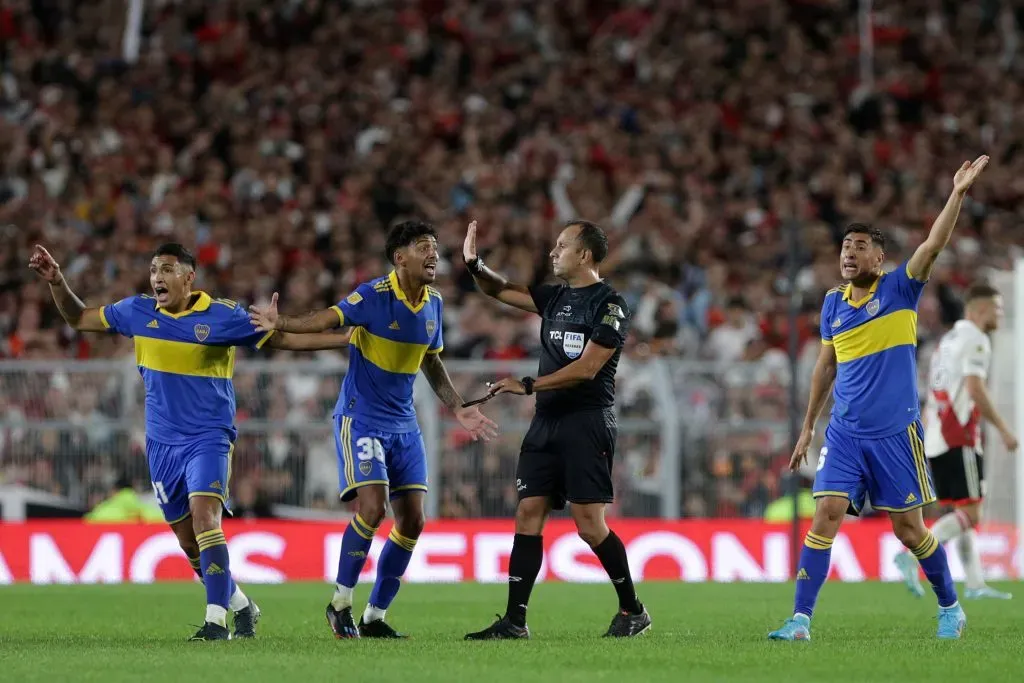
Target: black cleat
pixel 211 631
pixel 341 622
pixel 502 629
pixel 626 625
pixel 245 621
pixel 378 629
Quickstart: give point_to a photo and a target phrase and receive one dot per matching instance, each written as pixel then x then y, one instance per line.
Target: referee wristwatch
pixel 527 384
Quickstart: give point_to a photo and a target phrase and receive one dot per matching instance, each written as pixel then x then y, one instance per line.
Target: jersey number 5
pixel 370 449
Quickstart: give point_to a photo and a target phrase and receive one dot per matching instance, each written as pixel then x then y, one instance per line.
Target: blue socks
pixel 813 570
pixel 932 557
pixel 355 546
pixel 394 560
pixel 216 568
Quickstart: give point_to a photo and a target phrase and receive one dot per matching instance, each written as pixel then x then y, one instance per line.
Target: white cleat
pixel 986 592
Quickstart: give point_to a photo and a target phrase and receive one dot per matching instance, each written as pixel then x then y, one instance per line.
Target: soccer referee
pixel 568 451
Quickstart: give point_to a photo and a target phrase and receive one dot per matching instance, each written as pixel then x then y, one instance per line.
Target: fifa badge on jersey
pixel 354 298
pixel 365 467
pixel 202 332
pixel 572 344
pixel 872 307
pixel 431 326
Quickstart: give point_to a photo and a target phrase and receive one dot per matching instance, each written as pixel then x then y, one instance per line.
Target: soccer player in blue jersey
pixel 873 444
pixel 397 321
pixel 185 348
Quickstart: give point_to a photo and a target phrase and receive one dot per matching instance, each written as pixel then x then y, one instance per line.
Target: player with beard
pixel 397 321
pixel 567 453
pixel 873 443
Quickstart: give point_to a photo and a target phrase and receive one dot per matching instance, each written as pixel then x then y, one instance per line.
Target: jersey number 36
pixel 370 449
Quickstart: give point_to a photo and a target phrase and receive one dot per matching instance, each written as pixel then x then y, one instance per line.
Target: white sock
pixel 948 527
pixel 215 614
pixel 971 557
pixel 238 600
pixel 342 597
pixel 373 614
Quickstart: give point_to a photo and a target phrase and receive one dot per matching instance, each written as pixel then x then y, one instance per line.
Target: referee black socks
pixel 612 554
pixel 523 567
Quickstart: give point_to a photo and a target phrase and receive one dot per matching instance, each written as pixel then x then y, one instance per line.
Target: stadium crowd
pixel 280 139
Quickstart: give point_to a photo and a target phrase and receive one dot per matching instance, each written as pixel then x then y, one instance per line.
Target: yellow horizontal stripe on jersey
pixel 898 328
pixel 184 358
pixel 390 356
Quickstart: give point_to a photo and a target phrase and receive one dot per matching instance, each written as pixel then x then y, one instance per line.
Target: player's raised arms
pixel 920 264
pixel 72 309
pixel 494 284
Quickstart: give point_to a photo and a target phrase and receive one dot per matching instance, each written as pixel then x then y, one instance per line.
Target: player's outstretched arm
pixel 920 264
pixel 582 369
pixel 266 318
pixel 821 383
pixel 316 341
pixel 475 422
pixel 491 283
pixel 75 313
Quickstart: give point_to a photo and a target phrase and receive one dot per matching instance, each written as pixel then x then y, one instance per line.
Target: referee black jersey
pixel 571 318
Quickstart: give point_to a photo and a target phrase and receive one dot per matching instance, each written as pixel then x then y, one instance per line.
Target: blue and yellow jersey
pixel 186 361
pixel 391 338
pixel 875 340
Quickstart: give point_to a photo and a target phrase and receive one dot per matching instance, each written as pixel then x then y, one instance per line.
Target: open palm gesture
pixel 264 318
pixel 968 173
pixel 476 423
pixel 469 246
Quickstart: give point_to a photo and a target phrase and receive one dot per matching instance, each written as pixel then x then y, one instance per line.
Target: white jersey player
pixel 958 400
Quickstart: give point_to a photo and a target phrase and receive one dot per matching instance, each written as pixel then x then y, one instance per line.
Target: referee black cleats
pixel 378 629
pixel 341 622
pixel 502 629
pixel 245 621
pixel 211 631
pixel 626 625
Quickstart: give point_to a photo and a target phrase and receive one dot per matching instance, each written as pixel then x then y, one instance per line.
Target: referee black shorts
pixel 958 474
pixel 569 458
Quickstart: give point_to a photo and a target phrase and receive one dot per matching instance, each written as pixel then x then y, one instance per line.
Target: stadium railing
pixel 696 439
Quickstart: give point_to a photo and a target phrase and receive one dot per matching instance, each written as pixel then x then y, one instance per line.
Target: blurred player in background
pixel 956 404
pixel 185 349
pixel 873 444
pixel 568 452
pixel 398 333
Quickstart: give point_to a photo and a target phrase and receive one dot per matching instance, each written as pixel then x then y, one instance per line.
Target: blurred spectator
pixel 281 138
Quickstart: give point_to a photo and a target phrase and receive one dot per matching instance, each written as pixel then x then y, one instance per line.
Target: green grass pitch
pixel 702 632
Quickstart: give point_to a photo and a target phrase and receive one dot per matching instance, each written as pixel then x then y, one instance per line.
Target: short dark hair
pixel 592 238
pixel 980 290
pixel 864 229
pixel 405 233
pixel 181 253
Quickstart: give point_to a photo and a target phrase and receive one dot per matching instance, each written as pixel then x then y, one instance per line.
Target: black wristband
pixel 475 266
pixel 527 384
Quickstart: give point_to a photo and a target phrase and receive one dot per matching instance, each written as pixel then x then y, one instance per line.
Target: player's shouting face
pixel 419 258
pixel 171 281
pixel 860 260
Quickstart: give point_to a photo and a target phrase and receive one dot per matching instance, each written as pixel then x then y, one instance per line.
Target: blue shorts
pixel 200 468
pixel 371 456
pixel 892 471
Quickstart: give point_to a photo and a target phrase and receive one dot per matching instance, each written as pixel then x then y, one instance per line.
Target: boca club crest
pixel 872 307
pixel 201 331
